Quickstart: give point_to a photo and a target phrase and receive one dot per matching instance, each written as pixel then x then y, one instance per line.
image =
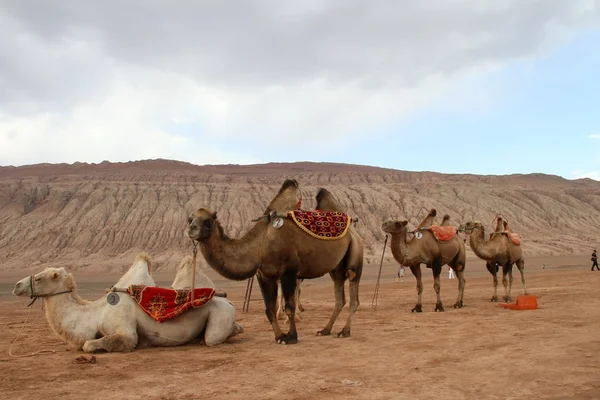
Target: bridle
pixel 35 296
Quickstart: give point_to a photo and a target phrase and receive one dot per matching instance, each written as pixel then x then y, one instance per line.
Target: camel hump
pixel 287 184
pixel 321 194
pixel 145 257
pixel 445 219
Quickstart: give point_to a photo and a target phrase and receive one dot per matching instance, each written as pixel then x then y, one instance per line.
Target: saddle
pixel 166 303
pixel 443 233
pixel 514 237
pixel 325 225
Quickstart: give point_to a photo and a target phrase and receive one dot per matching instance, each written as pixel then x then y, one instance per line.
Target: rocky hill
pixel 96 216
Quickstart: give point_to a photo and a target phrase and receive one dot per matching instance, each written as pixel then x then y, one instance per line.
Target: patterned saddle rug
pixel 324 225
pixel 443 233
pixel 514 237
pixel 166 303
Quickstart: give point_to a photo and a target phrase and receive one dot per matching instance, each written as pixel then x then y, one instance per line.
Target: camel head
pixel 288 198
pixel 46 283
pixel 469 226
pixel 395 227
pixel 201 224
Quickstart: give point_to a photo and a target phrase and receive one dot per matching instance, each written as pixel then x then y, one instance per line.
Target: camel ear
pixel 214 215
pixel 404 223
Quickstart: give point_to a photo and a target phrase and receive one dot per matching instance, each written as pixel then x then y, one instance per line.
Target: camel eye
pixel 38 279
pixel 207 223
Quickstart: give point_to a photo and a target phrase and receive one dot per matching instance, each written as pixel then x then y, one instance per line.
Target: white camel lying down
pixel 97 325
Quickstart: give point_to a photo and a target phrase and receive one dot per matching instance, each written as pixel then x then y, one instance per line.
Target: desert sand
pixel 482 351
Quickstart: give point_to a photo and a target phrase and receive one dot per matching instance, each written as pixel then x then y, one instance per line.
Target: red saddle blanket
pixel 514 238
pixel 325 225
pixel 166 303
pixel 443 233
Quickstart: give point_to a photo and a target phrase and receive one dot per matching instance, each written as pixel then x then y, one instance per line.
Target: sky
pixel 452 86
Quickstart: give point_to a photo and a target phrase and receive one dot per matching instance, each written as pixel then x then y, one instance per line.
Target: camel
pixel 498 250
pixel 275 248
pixel 281 303
pixel 425 248
pixel 122 326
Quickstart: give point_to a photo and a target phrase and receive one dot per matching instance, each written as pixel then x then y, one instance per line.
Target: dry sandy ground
pixel 479 352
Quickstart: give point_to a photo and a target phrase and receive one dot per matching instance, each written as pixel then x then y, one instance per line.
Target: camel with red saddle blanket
pixel 285 244
pixel 432 245
pixel 503 248
pixel 127 318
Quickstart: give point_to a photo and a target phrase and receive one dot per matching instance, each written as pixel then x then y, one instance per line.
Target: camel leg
pixel 460 274
pixel 507 270
pixel 494 271
pixel 340 299
pixel 288 288
pixel 416 271
pixel 268 288
pixel 354 298
pixel 280 304
pixel 509 267
pixel 300 306
pixel 521 266
pixel 220 324
pixel 117 342
pixel 436 268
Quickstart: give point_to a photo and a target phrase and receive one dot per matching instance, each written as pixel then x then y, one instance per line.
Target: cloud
pixel 594 136
pixel 127 80
pixel 592 175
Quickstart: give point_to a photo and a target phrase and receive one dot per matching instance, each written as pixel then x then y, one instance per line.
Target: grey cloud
pixel 246 44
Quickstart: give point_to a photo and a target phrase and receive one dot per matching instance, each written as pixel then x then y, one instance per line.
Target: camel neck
pixel 71 317
pixel 235 259
pixel 398 245
pixel 479 245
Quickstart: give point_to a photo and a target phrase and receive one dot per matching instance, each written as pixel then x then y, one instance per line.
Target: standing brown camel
pixel 503 248
pixel 277 248
pixel 327 202
pixel 433 246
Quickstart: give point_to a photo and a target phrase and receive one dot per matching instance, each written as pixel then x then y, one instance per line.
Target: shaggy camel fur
pixel 498 250
pixel 99 326
pixel 428 250
pixel 275 253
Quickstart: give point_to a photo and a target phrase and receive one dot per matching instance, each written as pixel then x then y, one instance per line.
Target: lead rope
pixel 376 294
pixel 35 353
pixel 194 252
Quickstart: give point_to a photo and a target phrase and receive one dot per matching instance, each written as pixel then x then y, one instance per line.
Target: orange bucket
pixel 525 302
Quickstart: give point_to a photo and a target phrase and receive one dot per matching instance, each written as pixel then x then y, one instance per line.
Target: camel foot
pixel 286 338
pixel 507 299
pixel 439 307
pixel 324 332
pixel 417 308
pixel 301 308
pixel 344 333
pixel 494 299
pixel 458 304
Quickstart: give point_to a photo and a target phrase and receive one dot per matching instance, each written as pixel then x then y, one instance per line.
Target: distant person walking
pixel 595 260
pixel 450 273
pixel 400 274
